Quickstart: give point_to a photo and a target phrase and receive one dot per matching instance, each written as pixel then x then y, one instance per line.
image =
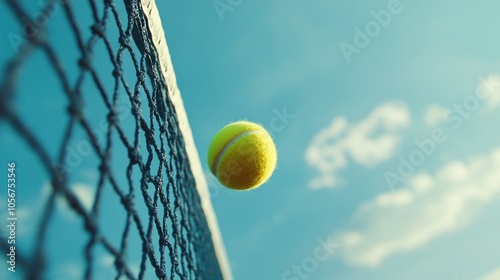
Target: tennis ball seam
pixel 228 146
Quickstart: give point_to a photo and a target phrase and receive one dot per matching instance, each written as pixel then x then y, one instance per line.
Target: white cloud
pixel 83 192
pixel 426 208
pixel 368 143
pixel 435 114
pixel 490 87
pixel 493 275
pixel 24 214
pixel 107 260
pixel 70 271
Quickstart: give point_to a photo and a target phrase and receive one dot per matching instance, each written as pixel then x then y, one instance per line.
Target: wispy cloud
pixel 84 193
pixel 435 114
pixel 490 87
pixel 493 275
pixel 426 208
pixel 368 142
pixel 70 271
pixel 107 260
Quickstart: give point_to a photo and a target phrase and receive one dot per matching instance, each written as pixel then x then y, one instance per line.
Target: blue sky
pixel 388 155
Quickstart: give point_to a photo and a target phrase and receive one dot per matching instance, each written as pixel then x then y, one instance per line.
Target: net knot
pixel 120 263
pixel 125 41
pixel 98 29
pixel 75 107
pixel 128 201
pixel 134 155
pixel 141 76
pixel 113 118
pixel 117 72
pixel 91 226
pixel 85 62
pixel 32 31
pixel 103 167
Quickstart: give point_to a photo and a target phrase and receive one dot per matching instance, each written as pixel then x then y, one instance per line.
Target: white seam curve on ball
pixel 228 145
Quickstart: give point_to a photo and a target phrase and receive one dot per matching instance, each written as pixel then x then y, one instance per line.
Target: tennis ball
pixel 242 155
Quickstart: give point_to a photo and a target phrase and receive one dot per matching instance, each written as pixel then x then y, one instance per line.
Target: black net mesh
pixel 82 91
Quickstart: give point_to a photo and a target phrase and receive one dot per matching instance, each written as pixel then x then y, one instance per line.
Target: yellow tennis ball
pixel 242 155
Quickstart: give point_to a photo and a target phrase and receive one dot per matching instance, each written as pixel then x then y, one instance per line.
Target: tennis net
pixel 109 183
